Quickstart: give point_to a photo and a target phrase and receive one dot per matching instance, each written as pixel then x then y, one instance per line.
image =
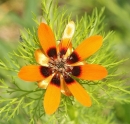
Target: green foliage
pixel 19 99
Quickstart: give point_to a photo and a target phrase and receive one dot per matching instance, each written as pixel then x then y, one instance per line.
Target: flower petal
pixel 64 88
pixel 78 63
pixel 44 83
pixel 52 96
pixel 69 30
pixel 34 73
pixel 86 49
pixel 47 40
pixel 41 58
pixel 66 39
pixel 89 72
pixel 69 51
pixel 78 91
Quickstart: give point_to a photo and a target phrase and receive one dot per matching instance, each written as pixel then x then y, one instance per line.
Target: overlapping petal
pixel 44 83
pixel 41 58
pixel 64 88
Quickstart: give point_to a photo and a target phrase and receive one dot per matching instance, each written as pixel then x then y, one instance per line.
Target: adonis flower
pixel 58 64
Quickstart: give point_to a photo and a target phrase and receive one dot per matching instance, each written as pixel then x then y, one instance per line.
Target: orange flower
pixel 58 63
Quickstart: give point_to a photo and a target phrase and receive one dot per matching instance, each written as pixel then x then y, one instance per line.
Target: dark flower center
pixel 60 65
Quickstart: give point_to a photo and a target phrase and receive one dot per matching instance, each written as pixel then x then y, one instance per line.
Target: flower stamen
pixel 60 65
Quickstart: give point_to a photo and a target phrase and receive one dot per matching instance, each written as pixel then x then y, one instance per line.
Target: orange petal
pixel 47 40
pixel 67 36
pixel 69 51
pixel 41 58
pixel 52 96
pixel 64 88
pixel 86 49
pixel 78 91
pixel 44 83
pixel 90 72
pixel 34 73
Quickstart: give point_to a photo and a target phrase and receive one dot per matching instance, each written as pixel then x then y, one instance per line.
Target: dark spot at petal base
pixel 56 80
pixel 68 79
pixel 76 71
pixel 62 51
pixel 73 58
pixel 52 52
pixel 45 71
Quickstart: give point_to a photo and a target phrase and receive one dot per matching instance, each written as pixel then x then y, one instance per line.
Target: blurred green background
pixel 15 15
